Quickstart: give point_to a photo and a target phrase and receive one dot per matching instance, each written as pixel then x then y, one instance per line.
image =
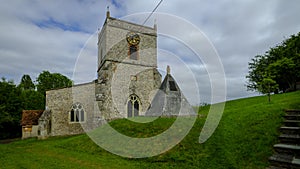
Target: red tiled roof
pixel 31 117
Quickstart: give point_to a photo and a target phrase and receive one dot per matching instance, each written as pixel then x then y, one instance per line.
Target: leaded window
pixel 133 106
pixel 77 113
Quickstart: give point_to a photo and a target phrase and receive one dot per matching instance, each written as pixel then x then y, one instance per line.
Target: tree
pixel 14 99
pixel 267 86
pixel 47 81
pixel 26 83
pixel 10 109
pixel 256 71
pixel 281 63
pixel 32 100
pixel 283 71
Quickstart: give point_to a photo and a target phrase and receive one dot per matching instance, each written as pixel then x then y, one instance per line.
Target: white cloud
pixel 48 35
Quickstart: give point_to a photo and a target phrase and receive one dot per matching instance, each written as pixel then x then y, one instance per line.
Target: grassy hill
pixel 243 139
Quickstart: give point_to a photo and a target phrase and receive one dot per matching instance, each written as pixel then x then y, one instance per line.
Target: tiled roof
pixel 31 117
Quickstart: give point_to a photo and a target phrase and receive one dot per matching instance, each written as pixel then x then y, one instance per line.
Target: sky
pixel 59 36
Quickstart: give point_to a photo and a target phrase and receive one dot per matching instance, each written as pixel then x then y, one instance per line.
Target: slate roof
pixel 169 100
pixel 31 117
pixel 165 85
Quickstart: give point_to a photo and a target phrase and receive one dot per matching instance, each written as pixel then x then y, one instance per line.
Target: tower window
pixel 133 52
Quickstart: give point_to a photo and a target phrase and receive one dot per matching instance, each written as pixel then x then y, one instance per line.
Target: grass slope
pixel 243 139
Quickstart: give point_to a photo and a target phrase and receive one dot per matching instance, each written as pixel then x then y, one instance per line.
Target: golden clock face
pixel 133 38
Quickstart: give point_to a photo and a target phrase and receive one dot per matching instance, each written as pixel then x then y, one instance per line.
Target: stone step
pixel 292 112
pixel 290 130
pixel 291 117
pixel 292 123
pixel 296 161
pixel 290 138
pixel 280 161
pixel 287 149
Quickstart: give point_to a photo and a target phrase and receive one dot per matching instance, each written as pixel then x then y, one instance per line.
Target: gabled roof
pixel 169 100
pixel 31 117
pixel 169 84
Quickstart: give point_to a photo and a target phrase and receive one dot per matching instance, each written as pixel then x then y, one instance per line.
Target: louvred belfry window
pixel 133 52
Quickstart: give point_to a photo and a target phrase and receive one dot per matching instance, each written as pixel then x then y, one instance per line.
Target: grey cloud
pixel 239 30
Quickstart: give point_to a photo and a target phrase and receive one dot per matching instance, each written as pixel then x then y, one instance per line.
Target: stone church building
pixel 127 82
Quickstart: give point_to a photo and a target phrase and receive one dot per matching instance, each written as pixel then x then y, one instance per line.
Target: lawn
pixel 244 139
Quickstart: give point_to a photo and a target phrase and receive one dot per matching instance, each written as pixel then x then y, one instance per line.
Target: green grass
pixel 243 139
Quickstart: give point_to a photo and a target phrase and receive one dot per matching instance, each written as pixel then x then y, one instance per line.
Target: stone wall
pixel 118 75
pixel 137 80
pixel 113 46
pixel 60 103
pixel 122 80
pixel 118 78
pixel 44 125
pixel 29 131
pixel 101 45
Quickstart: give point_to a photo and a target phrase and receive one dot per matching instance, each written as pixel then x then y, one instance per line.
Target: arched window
pixel 77 113
pixel 133 106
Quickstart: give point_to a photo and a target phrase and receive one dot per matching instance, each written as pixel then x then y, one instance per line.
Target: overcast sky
pixel 49 35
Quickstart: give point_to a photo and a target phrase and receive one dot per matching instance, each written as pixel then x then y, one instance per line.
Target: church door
pixel 133 106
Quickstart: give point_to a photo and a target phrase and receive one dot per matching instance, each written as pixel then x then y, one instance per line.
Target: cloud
pixel 49 35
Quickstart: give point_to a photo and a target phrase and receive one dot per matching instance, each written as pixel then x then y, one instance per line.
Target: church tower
pixel 127 82
pixel 127 68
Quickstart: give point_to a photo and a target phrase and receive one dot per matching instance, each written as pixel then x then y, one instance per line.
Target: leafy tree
pixel 257 70
pixel 283 71
pixel 282 63
pixel 32 100
pixel 267 86
pixel 26 83
pixel 14 99
pixel 10 109
pixel 47 81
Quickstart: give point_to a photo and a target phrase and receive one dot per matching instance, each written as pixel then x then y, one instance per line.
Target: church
pixel 128 85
